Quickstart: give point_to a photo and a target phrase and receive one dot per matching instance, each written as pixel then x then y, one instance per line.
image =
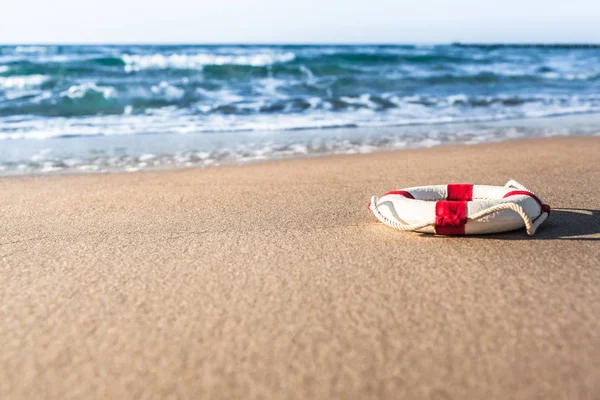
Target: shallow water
pixel 157 151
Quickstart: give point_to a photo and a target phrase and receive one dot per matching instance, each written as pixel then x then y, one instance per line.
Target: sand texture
pixel 273 280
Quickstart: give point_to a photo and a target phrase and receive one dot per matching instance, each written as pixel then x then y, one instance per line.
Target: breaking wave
pixel 137 62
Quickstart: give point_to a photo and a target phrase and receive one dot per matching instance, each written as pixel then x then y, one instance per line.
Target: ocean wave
pixel 137 62
pixel 91 99
pixel 272 96
pixel 78 100
pixel 65 69
pixel 89 89
pixel 30 49
pixel 380 57
pixel 361 111
pixel 22 82
pixel 167 91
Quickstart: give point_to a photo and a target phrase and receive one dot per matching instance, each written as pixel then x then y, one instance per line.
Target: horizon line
pixel 449 43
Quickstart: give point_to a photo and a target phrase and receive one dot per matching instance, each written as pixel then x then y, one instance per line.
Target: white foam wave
pixel 80 91
pixel 167 91
pixel 364 111
pixel 22 81
pixel 165 122
pixel 137 62
pixel 362 100
pixel 30 49
pixel 218 97
pixel 558 70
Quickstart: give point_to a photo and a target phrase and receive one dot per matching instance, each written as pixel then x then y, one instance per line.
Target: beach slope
pixel 273 280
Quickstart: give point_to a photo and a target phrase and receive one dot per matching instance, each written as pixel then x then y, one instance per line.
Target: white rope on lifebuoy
pixel 530 226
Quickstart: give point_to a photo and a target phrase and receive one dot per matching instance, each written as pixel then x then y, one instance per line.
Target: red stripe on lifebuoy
pixel 401 193
pixel 524 193
pixel 545 207
pixel 460 192
pixel 450 217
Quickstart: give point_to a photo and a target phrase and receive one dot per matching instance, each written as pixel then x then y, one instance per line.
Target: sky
pixel 304 21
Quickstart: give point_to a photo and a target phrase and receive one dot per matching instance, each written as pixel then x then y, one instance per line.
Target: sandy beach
pixel 273 280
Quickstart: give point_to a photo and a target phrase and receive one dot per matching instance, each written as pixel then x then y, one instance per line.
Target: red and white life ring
pixel 461 209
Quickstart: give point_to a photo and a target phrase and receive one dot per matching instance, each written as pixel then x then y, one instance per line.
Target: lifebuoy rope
pixel 530 226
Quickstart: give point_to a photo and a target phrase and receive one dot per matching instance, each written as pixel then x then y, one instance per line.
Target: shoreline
pixel 153 152
pixel 272 280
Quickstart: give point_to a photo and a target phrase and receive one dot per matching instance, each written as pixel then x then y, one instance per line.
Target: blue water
pixel 58 97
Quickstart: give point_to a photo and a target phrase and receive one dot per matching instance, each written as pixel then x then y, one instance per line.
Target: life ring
pixel 461 209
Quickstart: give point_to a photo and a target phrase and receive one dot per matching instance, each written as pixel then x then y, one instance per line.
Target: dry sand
pixel 274 281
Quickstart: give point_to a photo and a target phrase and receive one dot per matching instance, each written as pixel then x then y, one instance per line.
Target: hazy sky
pixel 299 21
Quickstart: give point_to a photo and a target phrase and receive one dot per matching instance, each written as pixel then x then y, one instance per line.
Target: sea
pixel 106 108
